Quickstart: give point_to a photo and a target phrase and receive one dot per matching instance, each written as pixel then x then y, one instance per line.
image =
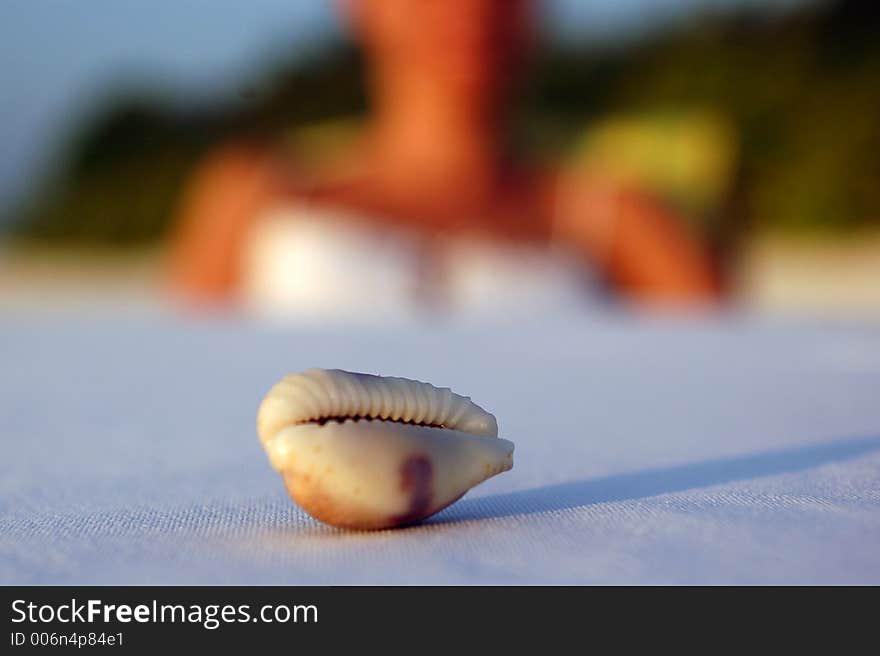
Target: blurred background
pixel 310 158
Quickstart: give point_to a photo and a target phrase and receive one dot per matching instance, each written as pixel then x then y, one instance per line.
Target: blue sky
pixel 58 58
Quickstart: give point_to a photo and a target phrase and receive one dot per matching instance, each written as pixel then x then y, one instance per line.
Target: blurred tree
pixel 122 175
pixel 124 170
pixel 800 90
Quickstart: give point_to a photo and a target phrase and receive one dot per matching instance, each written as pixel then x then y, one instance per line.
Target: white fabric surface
pixel 720 450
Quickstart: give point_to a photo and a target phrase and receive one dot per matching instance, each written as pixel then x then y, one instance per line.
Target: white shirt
pixel 308 263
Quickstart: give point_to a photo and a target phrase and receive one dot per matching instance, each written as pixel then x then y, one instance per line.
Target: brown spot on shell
pixel 352 515
pixel 417 480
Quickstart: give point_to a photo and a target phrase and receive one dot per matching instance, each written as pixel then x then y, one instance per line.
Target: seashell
pixel 370 452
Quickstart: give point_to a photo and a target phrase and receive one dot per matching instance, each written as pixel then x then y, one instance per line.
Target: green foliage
pixel 122 177
pixel 801 91
pixel 123 174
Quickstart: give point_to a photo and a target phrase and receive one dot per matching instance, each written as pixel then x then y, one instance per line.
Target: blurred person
pixel 427 208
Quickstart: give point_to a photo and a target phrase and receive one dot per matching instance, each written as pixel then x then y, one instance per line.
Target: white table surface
pixel 722 450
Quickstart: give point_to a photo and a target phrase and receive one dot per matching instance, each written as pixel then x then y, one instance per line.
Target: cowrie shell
pixel 370 452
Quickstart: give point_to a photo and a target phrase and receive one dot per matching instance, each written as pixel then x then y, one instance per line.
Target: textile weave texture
pixel 722 450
